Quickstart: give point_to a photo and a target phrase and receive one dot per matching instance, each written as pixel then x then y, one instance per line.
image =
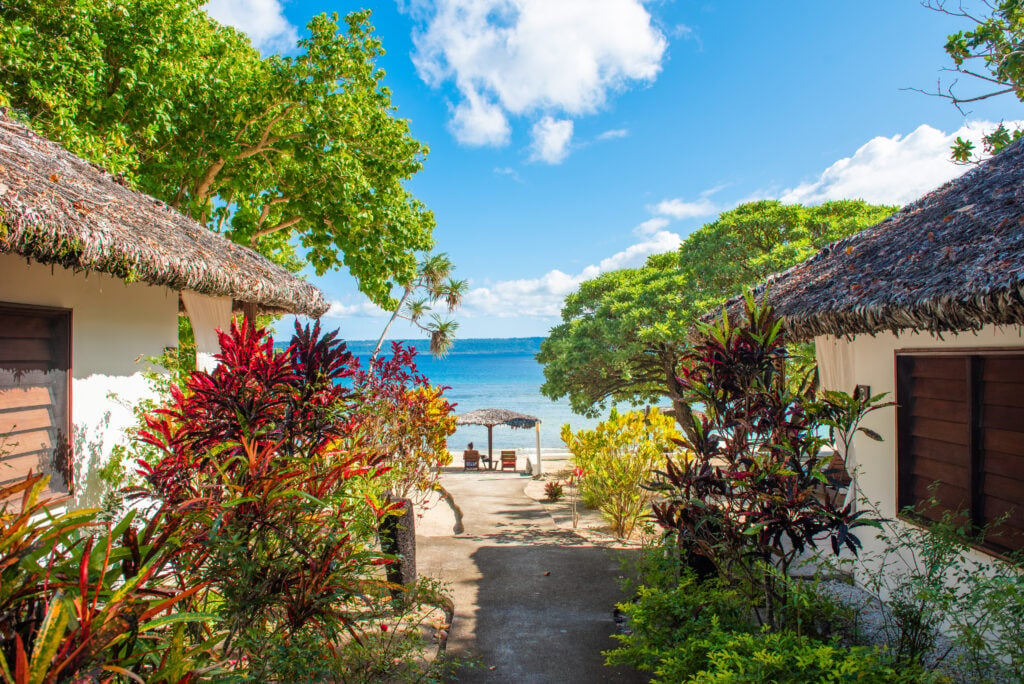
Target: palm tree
pixel 434 282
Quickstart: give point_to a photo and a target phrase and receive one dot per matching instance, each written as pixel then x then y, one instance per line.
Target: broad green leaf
pixel 179 617
pixel 48 640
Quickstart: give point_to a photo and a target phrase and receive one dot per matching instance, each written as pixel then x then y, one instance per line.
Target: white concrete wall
pixel 115 325
pixel 873 362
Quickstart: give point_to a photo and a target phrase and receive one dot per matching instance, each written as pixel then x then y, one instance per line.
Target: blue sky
pixel 571 137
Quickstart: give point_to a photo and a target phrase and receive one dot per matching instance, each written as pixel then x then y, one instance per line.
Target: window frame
pixel 16 308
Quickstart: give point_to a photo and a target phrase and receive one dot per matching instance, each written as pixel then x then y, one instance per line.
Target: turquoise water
pixel 493 373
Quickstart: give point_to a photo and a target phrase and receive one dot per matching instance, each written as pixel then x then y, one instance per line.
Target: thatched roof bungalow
pixel 60 209
pixel 928 307
pixel 951 261
pixel 93 276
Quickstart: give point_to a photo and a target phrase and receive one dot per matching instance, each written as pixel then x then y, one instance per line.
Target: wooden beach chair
pixel 508 459
pixel 471 459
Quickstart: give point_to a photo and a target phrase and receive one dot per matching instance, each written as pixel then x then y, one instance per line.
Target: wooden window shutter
pixel 1000 467
pixel 961 429
pixel 35 412
pixel 934 432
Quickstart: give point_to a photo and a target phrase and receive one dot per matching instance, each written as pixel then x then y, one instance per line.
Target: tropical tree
pixel 623 333
pixel 621 338
pixel 746 245
pixel 991 53
pixel 274 152
pixel 433 285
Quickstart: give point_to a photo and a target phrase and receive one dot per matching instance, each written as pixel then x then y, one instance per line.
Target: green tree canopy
pixel 623 333
pixel 273 151
pixel 621 337
pixel 751 242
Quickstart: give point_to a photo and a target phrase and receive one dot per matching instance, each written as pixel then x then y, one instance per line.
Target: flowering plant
pixel 403 420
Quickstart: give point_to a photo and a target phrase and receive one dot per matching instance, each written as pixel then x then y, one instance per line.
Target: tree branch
pixel 380 340
pixel 206 182
pixel 960 100
pixel 288 223
pixel 265 211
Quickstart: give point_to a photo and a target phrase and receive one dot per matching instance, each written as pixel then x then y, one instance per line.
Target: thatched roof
pixel 56 208
pixel 493 416
pixel 953 260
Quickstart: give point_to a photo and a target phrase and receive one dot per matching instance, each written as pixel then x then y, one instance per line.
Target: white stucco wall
pixel 115 325
pixel 872 361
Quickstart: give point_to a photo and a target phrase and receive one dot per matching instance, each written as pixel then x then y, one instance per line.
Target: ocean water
pixel 493 373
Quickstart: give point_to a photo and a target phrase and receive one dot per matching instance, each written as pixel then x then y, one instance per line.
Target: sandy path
pixel 527 625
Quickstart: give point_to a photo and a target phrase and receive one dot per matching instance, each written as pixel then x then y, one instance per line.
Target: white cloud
pixel 508 171
pixel 262 20
pixel 894 170
pixel 544 296
pixel 551 138
pixel 479 123
pixel 364 309
pixel 525 297
pixel 614 134
pixel 680 209
pixel 524 57
pixel 651 226
pixel 634 255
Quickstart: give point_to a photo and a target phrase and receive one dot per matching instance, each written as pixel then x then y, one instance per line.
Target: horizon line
pixel 426 340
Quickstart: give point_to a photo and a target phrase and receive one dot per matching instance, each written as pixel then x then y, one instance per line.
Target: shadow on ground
pixel 546 627
pixel 532 601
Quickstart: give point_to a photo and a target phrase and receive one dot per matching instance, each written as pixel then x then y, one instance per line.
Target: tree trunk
pixel 398 538
pixel 384 332
pixel 683 412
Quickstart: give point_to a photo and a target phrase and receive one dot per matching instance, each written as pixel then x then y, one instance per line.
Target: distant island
pixel 504 346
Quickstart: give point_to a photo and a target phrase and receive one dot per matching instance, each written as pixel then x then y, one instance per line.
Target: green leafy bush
pixel 617 458
pixel 704 631
pixel 674 623
pixel 82 600
pixel 786 658
pixel 945 607
pixel 402 640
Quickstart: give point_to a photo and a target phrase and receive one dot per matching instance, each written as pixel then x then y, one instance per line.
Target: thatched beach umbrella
pixel 489 417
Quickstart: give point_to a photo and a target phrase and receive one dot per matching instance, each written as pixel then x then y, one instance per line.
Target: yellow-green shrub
pixel 617 458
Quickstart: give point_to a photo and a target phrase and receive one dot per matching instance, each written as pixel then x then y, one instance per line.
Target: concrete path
pixel 533 603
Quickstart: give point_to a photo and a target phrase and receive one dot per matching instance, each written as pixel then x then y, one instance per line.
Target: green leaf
pixel 5 669
pixel 48 640
pixel 179 618
pixel 871 433
pixel 239 501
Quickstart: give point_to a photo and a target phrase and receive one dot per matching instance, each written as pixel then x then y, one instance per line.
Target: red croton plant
pixel 405 417
pixel 82 600
pixel 284 517
pixel 258 556
pixel 750 492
